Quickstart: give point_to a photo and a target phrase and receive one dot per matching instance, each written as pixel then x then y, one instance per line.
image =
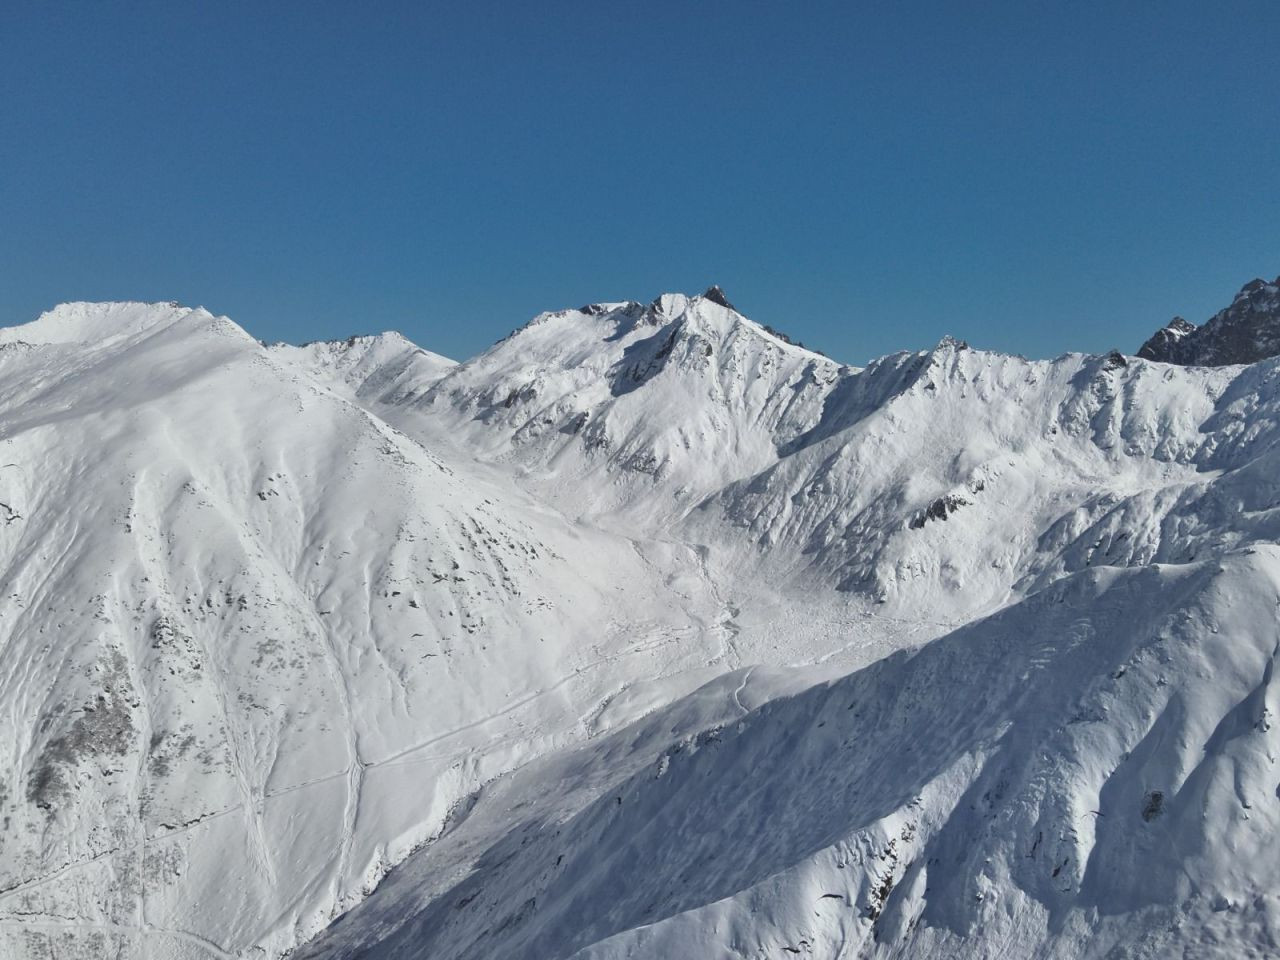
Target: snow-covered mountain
pixel 258 643
pixel 651 407
pixel 1090 772
pixel 645 633
pixel 1245 332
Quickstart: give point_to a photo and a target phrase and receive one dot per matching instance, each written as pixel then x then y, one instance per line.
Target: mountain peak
pixel 1254 286
pixel 1163 344
pixel 303 615
pixel 716 295
pixel 950 343
pixel 1245 332
pixel 88 322
pixel 670 305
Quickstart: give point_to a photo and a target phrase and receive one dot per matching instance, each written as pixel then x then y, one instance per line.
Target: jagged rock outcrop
pixel 1163 344
pixel 1245 332
pixel 716 295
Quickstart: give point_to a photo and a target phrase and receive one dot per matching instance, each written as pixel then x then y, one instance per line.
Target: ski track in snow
pixel 354 772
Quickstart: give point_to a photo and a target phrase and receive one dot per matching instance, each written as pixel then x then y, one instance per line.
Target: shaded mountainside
pixel 1245 332
pixel 645 633
pixel 1035 784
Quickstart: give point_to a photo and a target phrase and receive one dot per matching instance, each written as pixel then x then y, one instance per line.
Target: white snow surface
pixel 645 633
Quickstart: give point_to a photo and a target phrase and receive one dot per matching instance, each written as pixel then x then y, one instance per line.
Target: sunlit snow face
pixel 644 628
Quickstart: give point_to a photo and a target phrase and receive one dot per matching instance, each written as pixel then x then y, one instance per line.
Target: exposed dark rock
pixel 778 333
pixel 716 295
pixel 1164 343
pixel 939 509
pixel 786 339
pixel 1245 332
pixel 102 728
pixel 644 359
pixel 1115 360
pixel 1153 805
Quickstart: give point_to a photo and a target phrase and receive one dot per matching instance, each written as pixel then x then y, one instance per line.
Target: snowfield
pixel 645 633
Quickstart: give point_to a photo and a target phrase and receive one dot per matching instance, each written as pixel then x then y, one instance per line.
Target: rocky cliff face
pixel 1245 332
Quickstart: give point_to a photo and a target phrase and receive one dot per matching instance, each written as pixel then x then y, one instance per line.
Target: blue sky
pixel 1031 177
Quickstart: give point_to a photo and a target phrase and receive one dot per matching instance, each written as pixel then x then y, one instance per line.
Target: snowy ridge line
pixel 918 659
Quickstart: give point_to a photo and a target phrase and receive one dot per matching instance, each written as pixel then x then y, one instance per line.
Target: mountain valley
pixel 644 633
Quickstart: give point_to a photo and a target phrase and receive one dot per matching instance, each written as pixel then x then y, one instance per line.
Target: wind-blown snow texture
pixel 646 633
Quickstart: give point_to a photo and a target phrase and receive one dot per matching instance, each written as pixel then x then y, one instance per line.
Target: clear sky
pixel 1032 177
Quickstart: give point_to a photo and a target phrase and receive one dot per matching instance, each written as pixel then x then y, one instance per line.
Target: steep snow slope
pixel 1089 773
pixel 385 368
pixel 963 479
pixel 932 486
pixel 258 643
pixel 1083 493
pixel 647 408
pixel 274 617
pixel 627 416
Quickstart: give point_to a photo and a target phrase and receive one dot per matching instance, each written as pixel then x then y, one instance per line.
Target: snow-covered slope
pixel 258 643
pixel 385 368
pixel 649 408
pixel 1090 773
pixel 965 478
pixel 943 483
pixel 652 633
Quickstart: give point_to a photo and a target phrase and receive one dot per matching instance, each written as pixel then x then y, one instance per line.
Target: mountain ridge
pixel 382 636
pixel 1245 332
